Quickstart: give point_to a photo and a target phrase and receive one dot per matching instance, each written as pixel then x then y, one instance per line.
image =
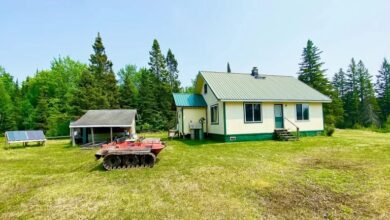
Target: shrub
pixel 329 130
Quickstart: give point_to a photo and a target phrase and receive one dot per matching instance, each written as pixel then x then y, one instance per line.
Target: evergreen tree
pixel 127 88
pixel 312 73
pixel 368 107
pixel 41 113
pixel 157 63
pixel 101 68
pixel 228 68
pixel 87 96
pixel 8 101
pixel 148 108
pixel 339 83
pixel 7 120
pixel 351 99
pixel 163 95
pixel 383 90
pixel 173 71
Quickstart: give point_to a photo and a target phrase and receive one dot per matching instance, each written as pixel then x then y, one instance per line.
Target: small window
pixel 302 112
pixel 214 114
pixel 205 88
pixel 252 112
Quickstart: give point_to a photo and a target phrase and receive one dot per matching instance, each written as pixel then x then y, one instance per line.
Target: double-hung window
pixel 214 114
pixel 302 112
pixel 252 112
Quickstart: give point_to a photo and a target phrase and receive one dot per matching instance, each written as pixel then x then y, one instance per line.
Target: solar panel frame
pixel 25 136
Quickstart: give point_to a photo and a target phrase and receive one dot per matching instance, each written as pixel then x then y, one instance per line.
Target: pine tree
pixel 368 107
pixel 147 106
pixel 157 62
pixel 312 73
pixel 101 69
pixel 383 90
pixel 173 71
pixel 87 96
pixel 228 68
pixel 339 83
pixel 351 99
pixel 7 120
pixel 166 114
pixel 127 88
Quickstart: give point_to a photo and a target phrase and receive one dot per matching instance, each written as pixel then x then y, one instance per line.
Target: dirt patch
pixel 297 201
pixel 322 163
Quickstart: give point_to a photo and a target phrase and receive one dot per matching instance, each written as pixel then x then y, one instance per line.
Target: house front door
pixel 278 111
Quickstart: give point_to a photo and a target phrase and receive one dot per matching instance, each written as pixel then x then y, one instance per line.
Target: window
pixel 214 114
pixel 302 112
pixel 252 112
pixel 205 88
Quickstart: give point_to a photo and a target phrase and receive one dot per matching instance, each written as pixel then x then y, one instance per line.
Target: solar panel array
pixel 25 135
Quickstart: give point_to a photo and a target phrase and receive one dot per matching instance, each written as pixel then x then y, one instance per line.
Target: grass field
pixel 344 177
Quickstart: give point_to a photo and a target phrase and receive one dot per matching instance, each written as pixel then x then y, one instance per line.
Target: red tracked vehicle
pixel 122 154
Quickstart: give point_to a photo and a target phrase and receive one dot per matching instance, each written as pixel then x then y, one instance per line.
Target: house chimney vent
pixel 255 72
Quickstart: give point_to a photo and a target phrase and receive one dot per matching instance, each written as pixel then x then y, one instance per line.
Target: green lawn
pixel 345 176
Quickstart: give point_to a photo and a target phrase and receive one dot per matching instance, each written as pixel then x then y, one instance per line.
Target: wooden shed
pixel 103 125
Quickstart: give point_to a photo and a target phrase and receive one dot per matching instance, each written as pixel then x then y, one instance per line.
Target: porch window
pixel 214 114
pixel 302 112
pixel 252 112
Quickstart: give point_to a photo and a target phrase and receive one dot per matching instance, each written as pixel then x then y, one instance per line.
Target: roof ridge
pixel 263 74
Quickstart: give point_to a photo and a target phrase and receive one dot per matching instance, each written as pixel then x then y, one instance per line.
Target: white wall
pixel 235 118
pixel 212 100
pixel 192 115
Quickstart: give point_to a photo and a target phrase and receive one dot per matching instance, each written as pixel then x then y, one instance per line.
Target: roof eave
pixel 275 100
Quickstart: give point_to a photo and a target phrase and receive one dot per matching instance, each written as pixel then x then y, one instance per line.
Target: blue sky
pixel 204 35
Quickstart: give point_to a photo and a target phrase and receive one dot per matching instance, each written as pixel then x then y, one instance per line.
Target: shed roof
pixel 106 118
pixel 245 87
pixel 189 100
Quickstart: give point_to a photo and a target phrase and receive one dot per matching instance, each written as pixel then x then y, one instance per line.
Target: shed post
pixel 93 136
pixel 111 134
pixel 72 135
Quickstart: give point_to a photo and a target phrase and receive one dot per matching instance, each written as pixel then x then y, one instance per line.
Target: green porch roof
pixel 189 100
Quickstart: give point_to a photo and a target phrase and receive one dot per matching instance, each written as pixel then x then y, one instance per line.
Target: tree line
pixel 52 98
pixel 357 101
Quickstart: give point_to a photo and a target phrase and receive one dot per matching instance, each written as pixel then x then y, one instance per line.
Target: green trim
pixel 216 137
pixel 249 137
pixel 256 137
pixel 224 119
pixel 310 133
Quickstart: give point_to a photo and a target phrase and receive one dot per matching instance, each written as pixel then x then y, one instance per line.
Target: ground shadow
pixel 21 146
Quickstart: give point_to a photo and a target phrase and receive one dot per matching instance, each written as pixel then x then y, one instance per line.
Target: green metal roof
pixel 245 87
pixel 189 100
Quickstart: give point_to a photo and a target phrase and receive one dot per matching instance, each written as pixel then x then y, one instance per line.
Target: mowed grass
pixel 344 177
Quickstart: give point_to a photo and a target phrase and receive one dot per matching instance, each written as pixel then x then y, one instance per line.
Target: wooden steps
pixel 284 135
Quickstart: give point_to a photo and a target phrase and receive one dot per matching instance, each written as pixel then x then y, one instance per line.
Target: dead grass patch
pixel 330 163
pixel 294 200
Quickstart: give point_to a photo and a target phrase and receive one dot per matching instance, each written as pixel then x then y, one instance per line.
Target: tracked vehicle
pixel 122 154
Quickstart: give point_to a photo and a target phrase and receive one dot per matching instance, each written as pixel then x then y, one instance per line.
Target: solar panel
pixel 25 135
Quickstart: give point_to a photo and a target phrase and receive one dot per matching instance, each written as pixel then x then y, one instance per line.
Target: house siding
pixel 191 115
pixel 237 126
pixel 211 100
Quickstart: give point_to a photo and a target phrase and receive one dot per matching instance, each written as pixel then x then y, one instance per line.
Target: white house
pixel 250 106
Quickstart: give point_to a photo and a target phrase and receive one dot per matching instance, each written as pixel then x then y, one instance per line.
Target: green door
pixel 278 111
